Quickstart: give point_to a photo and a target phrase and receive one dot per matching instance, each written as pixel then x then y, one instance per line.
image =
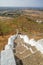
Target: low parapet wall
pixel 38 44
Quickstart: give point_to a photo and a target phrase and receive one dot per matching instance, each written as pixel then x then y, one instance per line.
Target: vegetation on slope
pixel 22 23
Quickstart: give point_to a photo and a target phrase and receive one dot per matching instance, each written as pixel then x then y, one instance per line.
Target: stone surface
pixel 7 57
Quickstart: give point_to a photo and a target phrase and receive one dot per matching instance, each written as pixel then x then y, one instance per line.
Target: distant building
pixel 38 21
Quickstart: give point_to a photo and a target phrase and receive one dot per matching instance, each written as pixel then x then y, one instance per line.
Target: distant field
pixel 34 14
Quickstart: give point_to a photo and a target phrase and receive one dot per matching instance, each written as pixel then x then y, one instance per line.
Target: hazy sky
pixel 22 3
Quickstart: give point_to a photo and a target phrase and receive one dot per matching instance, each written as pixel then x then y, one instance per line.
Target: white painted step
pixel 7 57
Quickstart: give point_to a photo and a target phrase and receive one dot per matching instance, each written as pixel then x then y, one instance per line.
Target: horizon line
pixel 20 6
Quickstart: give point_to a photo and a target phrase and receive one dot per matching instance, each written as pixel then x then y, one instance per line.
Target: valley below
pixel 27 21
